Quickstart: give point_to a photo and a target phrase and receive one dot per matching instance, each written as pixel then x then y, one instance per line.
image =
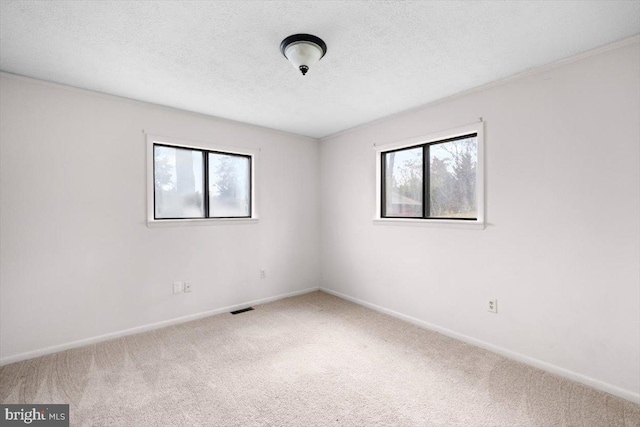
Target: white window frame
pixel 183 143
pixel 479 222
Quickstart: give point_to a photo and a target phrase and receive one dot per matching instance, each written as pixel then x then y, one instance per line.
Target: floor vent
pixel 242 311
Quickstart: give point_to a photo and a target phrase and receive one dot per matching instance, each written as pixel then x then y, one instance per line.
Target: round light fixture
pixel 303 50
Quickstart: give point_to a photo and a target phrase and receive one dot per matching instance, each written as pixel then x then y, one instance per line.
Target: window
pixel 191 183
pixel 178 183
pixel 431 179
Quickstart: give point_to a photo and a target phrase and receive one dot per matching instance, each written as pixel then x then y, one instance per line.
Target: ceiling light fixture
pixel 303 50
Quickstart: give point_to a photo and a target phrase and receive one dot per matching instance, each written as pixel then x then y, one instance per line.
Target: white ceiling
pixel 222 58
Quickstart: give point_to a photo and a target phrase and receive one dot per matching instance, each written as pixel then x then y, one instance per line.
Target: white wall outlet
pixel 492 305
pixel 263 274
pixel 187 287
pixel 177 287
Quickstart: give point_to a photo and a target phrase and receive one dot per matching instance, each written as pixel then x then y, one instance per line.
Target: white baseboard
pixel 545 366
pixel 87 341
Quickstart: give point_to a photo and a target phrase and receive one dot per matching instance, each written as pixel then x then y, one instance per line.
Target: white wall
pixel 561 251
pixel 77 259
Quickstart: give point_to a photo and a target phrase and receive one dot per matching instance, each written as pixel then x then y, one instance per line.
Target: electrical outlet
pixel 187 287
pixel 492 305
pixel 263 274
pixel 177 287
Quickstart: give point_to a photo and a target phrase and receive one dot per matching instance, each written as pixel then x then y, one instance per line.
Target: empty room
pixel 320 213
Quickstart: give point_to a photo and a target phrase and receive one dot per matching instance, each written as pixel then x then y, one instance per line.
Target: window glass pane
pixel 453 178
pixel 229 186
pixel 403 183
pixel 179 183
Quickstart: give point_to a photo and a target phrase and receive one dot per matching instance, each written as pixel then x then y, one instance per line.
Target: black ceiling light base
pixel 303 38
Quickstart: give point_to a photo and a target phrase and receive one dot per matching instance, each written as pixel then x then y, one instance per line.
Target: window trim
pixel 437 137
pixel 205 148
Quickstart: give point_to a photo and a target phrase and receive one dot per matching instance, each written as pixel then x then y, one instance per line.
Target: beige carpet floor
pixel 312 360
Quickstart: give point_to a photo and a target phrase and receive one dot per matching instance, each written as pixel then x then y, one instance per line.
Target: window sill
pixel 434 223
pixel 199 222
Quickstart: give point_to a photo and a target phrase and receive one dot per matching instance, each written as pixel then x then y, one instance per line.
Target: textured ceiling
pixel 222 58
